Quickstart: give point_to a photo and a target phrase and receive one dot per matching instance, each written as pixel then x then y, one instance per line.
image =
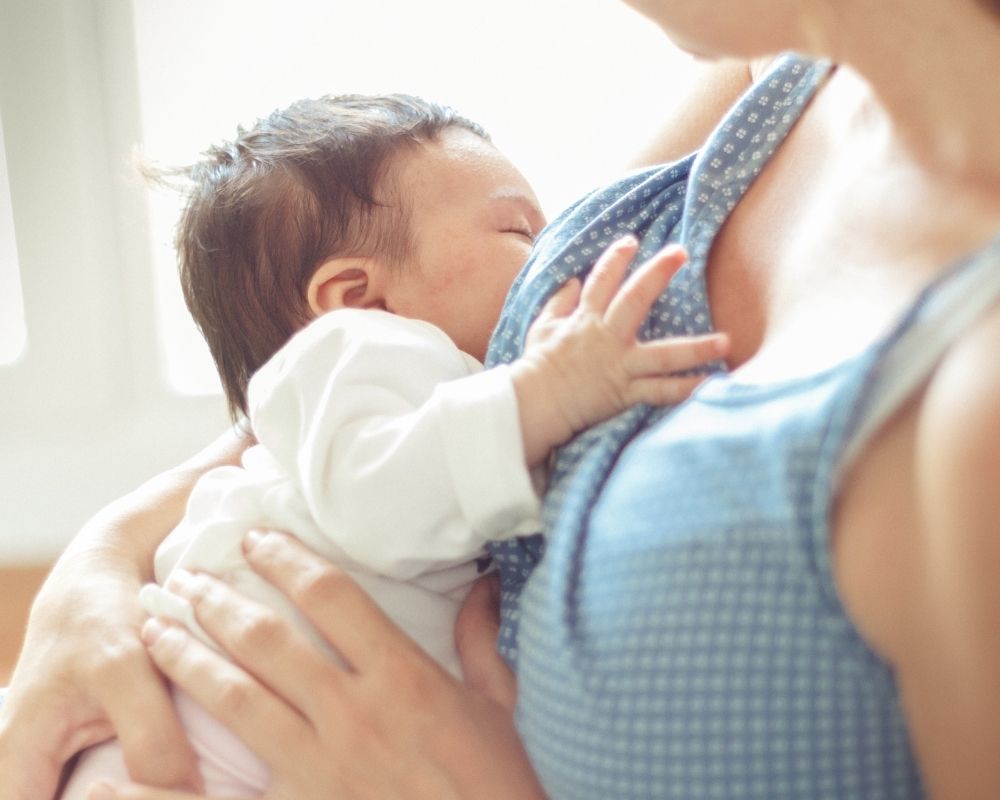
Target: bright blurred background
pixel 103 380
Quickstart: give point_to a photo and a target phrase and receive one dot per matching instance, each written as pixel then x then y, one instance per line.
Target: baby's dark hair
pixel 265 210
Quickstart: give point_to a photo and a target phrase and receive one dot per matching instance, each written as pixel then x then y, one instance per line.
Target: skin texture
pixel 472 219
pixel 582 363
pixel 728 28
pixel 913 533
pixel 918 574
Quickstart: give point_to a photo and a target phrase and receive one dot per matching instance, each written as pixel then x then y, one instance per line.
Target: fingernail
pixel 152 630
pixel 251 540
pixel 628 240
pixel 102 791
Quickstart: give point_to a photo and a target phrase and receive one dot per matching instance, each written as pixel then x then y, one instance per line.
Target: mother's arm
pixel 83 674
pixel 714 89
pixel 392 725
pixel 918 556
pixel 948 654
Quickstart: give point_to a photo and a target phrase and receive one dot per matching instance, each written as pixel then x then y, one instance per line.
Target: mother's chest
pixel 810 268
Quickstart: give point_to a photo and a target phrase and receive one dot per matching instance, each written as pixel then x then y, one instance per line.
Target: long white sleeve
pixel 406 453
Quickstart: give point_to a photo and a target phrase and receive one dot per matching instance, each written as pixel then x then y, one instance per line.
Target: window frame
pixel 86 412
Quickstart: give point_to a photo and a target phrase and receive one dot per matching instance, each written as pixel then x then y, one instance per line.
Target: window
pixel 13 335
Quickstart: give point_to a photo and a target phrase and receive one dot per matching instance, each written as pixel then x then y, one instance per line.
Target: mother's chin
pixel 718 29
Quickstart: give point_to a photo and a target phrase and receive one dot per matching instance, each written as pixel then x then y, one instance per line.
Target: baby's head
pixel 383 201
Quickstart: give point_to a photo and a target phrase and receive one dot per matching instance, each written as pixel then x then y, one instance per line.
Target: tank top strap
pixel 909 354
pixel 742 145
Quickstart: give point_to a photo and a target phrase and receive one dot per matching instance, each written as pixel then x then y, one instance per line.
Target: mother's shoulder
pixel 919 508
pixel 947 666
pixel 959 429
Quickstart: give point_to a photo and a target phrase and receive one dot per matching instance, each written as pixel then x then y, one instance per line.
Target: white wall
pixel 88 411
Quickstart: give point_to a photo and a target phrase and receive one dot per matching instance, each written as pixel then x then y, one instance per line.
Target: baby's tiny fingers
pixel 563 302
pixel 666 356
pixel 663 391
pixel 605 279
pixel 631 305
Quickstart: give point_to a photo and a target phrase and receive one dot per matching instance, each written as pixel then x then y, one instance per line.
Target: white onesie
pixel 384 448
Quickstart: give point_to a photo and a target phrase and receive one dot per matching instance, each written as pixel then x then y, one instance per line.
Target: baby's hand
pixel 582 362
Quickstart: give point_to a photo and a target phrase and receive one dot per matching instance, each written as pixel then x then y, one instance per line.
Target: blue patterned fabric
pixel 659 206
pixel 677 633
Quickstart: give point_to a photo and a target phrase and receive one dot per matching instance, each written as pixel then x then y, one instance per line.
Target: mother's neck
pixel 933 66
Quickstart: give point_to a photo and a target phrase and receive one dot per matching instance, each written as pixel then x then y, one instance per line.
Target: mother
pixel 787 586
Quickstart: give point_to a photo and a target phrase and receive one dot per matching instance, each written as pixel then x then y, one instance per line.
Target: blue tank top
pixel 682 636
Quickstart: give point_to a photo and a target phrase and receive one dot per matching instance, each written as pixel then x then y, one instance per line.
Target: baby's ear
pixel 344 283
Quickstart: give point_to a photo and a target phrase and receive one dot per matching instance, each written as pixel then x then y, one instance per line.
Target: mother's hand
pixel 84 675
pixel 392 725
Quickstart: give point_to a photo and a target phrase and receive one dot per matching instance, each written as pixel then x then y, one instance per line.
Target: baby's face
pixel 473 219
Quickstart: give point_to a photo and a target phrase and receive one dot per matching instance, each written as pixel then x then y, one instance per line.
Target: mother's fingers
pixel 154 745
pixel 476 631
pixel 662 357
pixel 258 639
pixel 275 731
pixel 334 603
pixel 107 791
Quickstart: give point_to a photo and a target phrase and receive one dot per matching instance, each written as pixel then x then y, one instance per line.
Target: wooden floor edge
pixel 18 587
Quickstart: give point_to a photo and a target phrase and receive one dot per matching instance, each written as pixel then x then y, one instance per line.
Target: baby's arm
pixel 408 462
pixel 582 362
pixel 407 455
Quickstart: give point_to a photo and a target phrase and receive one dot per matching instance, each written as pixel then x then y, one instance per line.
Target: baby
pixel 346 259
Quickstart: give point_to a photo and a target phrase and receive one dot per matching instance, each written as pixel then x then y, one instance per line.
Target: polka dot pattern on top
pixel 675 631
